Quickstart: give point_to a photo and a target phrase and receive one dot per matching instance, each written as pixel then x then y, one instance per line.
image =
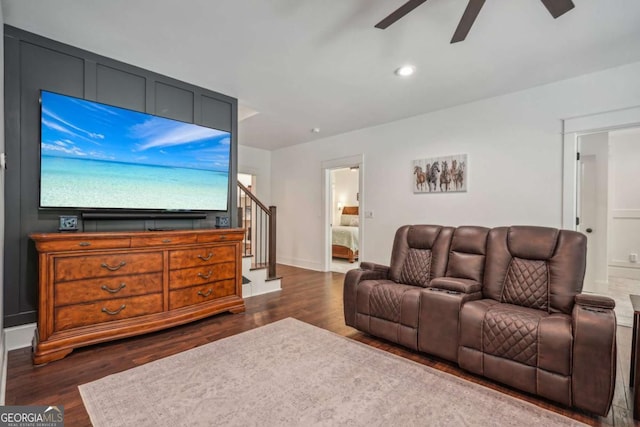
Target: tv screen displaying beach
pixel 97 156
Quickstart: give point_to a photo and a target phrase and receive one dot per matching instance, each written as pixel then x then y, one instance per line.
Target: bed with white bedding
pixel 344 237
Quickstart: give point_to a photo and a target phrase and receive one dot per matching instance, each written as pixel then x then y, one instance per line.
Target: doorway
pixel 344 218
pixel 608 207
pixel 343 191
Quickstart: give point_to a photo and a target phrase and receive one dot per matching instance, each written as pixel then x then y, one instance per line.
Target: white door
pixel 593 189
pixel 587 215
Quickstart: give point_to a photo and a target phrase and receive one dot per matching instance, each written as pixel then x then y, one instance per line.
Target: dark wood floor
pixel 313 297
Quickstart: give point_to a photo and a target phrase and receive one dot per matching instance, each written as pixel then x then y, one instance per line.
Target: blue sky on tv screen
pixel 80 129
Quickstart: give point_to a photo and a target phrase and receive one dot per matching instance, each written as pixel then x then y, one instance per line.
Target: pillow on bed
pixel 350 220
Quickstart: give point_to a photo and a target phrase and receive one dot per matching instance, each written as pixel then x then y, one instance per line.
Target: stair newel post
pixel 272 242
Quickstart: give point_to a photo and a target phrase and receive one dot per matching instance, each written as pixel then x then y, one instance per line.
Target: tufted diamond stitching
pixel 511 334
pixel 416 269
pixel 527 284
pixel 385 302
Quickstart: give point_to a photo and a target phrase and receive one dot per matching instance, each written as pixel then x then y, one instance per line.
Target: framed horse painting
pixel 446 174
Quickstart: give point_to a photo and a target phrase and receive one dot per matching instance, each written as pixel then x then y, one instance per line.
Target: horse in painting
pixel 432 175
pixel 421 177
pixel 445 177
pixel 458 177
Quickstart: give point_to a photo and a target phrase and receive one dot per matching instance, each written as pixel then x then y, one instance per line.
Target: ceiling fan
pixel 556 8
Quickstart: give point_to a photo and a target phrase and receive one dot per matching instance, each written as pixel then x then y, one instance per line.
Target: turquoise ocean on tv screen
pixel 67 182
pixel 99 156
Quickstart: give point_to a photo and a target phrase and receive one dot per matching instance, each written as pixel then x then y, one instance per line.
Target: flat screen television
pixel 100 157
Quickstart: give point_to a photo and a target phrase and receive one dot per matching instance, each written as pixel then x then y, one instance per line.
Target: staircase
pixel 259 244
pixel 259 283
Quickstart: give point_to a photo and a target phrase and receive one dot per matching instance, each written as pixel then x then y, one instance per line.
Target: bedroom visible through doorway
pixel 344 218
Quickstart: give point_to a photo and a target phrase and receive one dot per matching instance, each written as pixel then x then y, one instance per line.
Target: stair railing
pixel 259 223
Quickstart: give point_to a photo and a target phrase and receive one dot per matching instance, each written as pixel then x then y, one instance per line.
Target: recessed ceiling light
pixel 405 71
pixel 315 130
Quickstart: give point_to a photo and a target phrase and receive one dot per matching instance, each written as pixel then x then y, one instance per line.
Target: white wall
pixel 514 145
pixel 254 161
pixel 625 152
pixel 625 202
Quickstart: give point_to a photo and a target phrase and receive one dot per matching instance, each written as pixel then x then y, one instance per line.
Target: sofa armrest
pixel 367 271
pixel 439 316
pixel 457 285
pixel 374 267
pixel 595 301
pixel 594 353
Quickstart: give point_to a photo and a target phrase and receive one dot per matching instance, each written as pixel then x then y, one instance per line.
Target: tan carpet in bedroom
pixel 289 373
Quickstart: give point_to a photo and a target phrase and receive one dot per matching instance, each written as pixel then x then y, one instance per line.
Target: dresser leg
pixel 237 310
pixel 40 358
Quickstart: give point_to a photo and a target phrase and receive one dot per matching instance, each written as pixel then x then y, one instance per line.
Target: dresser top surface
pixel 95 235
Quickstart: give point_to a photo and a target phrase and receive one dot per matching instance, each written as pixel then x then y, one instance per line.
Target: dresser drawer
pixel 197 294
pixel 106 288
pixel 115 264
pixel 162 240
pixel 73 316
pixel 202 256
pixel 200 275
pixel 83 244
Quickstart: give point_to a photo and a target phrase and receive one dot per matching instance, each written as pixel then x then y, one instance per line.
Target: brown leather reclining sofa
pixel 504 303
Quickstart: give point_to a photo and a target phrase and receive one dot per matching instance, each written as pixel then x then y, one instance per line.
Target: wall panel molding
pixel 34 63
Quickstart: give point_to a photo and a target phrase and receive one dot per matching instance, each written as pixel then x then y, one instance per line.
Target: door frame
pixel 327 167
pixel 572 129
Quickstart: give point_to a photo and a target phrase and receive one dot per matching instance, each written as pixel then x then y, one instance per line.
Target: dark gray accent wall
pixel 34 63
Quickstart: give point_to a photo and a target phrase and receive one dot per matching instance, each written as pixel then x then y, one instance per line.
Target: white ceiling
pixel 321 63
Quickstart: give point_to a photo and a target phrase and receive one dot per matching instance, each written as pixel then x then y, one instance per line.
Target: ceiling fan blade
pixel 468 18
pixel 399 13
pixel 558 7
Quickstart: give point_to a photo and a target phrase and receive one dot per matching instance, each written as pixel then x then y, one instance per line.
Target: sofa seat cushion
pixel 520 334
pixel 389 310
pixel 385 299
pixel 511 332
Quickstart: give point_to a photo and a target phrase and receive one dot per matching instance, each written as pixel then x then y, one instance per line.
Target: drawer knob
pixel 113 291
pixel 206 258
pixel 113 313
pixel 113 268
pixel 84 244
pixel 205 276
pixel 166 240
pixel 205 294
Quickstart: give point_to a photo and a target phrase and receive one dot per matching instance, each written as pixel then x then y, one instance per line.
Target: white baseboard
pixel 626 272
pixel 19 336
pixel 301 263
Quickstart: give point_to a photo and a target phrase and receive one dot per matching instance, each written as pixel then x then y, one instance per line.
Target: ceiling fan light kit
pixel 555 7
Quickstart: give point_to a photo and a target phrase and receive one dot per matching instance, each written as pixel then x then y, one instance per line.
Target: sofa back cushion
pixel 536 267
pixel 467 254
pixel 419 254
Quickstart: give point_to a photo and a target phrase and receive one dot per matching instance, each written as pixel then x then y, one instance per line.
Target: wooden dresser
pixel 96 287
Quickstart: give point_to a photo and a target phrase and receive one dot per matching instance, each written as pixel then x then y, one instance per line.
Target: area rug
pixel 289 373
